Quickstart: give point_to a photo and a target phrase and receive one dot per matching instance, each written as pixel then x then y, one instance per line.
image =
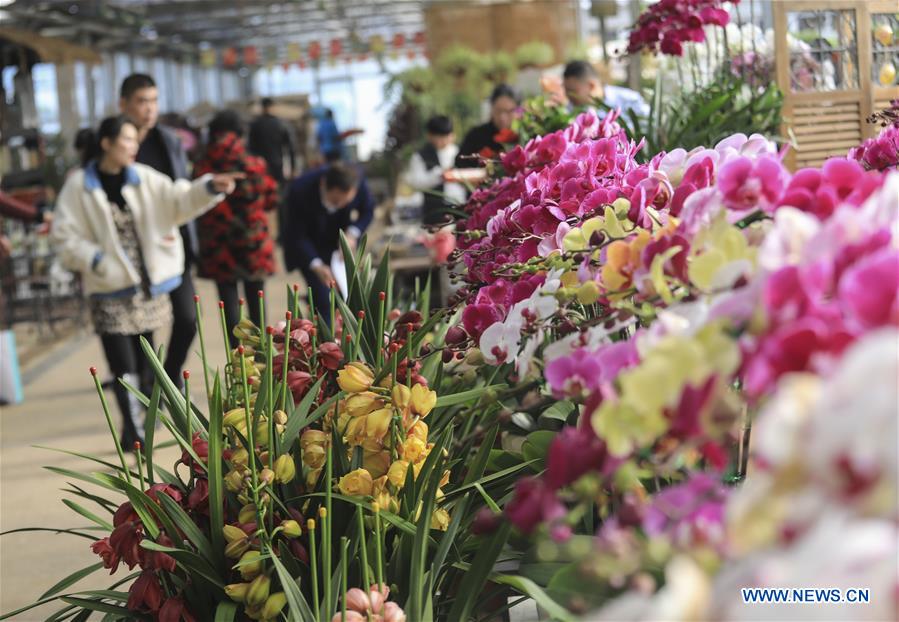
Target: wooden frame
pixel 828 123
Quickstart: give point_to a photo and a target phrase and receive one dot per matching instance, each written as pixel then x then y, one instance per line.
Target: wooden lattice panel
pixel 824 129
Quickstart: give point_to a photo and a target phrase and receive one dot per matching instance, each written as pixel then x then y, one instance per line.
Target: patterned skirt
pixel 140 312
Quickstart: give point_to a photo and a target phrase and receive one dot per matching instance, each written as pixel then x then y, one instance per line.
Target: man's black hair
pixel 225 121
pixel 341 176
pixel 580 70
pixel 503 90
pixel 440 125
pixel 267 102
pixel 134 83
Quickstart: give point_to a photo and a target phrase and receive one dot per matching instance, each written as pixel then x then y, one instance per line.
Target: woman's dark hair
pixel 83 139
pixel 110 128
pixel 503 90
pixel 223 122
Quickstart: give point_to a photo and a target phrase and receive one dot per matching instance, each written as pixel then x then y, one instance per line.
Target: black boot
pixel 132 409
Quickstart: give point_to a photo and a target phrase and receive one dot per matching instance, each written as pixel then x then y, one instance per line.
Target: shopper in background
pixel 117 226
pixel 330 142
pixel 320 205
pixel 235 245
pixel 583 87
pixel 427 167
pixel 481 140
pixel 161 150
pixel 269 138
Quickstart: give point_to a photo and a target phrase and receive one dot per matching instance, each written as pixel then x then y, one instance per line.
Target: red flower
pixel 125 541
pixel 574 452
pixel 534 503
pixel 174 610
pixel 487 153
pixel 168 489
pixel 157 560
pixel 330 355
pixel 145 593
pixel 198 499
pixel 110 557
pixel 506 135
pixel 299 382
pixel 201 448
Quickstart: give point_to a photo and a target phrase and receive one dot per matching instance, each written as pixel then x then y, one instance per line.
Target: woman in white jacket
pixel 116 224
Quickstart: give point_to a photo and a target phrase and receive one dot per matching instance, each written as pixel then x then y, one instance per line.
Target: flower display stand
pixel 854 46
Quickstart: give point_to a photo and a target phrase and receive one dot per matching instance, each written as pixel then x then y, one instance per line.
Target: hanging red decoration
pixel 363 57
pixel 336 47
pixel 285 66
pixel 411 54
pixel 399 40
pixel 315 50
pixel 229 57
pixel 302 64
pixel 250 55
pixel 419 38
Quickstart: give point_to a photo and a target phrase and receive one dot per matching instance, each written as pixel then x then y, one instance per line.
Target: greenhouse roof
pixel 185 26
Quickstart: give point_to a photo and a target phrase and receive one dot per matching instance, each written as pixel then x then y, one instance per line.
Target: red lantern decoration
pixel 399 40
pixel 411 54
pixel 285 66
pixel 250 55
pixel 363 57
pixel 229 57
pixel 336 47
pixel 302 64
pixel 315 50
pixel 419 38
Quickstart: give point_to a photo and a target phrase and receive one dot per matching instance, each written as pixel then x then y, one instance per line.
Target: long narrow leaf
pixel 473 581
pixel 297 419
pixel 225 612
pixel 465 396
pixel 188 528
pixel 216 492
pixel 298 608
pixel 71 579
pixel 535 592
pixel 88 514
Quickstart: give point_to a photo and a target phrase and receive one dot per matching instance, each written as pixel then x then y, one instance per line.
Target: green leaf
pixel 534 591
pixel 98 605
pixel 489 479
pixel 188 527
pixel 71 579
pixel 479 464
pixel 420 544
pixel 110 465
pixel 216 482
pixel 72 532
pixel 150 427
pixel 465 396
pixel 473 581
pixel 559 411
pixel 225 612
pixel 190 561
pixel 298 608
pixel 446 541
pixel 297 419
pixel 84 477
pixel 88 514
pixel 536 447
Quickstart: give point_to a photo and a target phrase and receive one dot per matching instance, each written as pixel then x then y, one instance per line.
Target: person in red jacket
pixel 235 244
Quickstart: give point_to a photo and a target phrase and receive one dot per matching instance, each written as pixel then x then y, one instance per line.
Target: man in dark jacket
pixel 268 139
pixel 160 148
pixel 321 204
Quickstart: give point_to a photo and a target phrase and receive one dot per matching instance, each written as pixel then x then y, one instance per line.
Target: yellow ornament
pixel 887 74
pixel 884 34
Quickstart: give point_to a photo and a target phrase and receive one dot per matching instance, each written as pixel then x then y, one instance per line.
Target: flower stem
pixel 203 351
pixel 379 570
pixel 326 526
pixel 289 317
pixel 360 522
pixel 140 465
pixel 251 444
pixel 188 412
pixel 261 309
pixel 382 297
pixel 344 543
pixel 115 437
pixel 313 566
pixel 227 346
